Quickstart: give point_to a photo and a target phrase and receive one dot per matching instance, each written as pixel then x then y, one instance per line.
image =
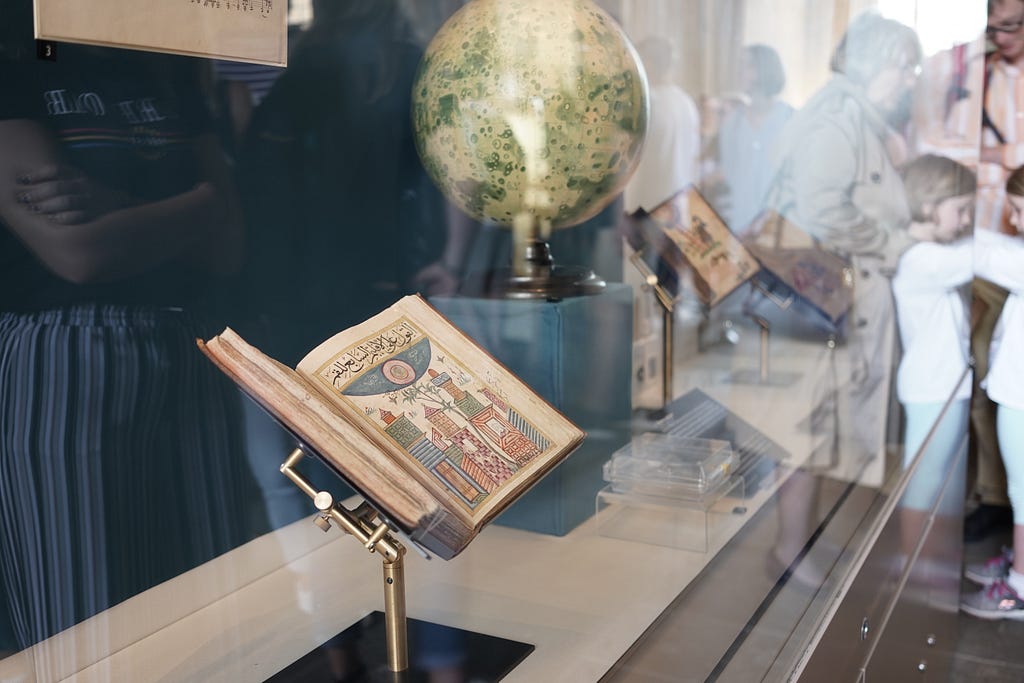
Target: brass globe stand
pixel 533 274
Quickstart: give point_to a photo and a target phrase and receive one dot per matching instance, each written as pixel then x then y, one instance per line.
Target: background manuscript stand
pixel 684 244
pixel 797 274
pixel 667 303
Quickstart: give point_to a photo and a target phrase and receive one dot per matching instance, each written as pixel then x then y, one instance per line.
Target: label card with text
pixel 239 30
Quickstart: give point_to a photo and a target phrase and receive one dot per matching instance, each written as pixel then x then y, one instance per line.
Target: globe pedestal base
pixel 534 275
pixel 560 282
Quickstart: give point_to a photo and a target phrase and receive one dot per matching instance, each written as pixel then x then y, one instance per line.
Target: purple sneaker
pixel 991 570
pixel 997 601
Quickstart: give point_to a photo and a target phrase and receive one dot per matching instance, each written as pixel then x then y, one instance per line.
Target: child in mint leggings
pixel 1000 259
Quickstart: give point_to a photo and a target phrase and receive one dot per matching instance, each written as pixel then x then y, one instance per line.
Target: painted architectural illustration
pixel 459 428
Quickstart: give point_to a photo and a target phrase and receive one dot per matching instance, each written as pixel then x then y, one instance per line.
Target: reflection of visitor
pixel 341 214
pixel 1000 259
pixel 836 181
pixel 241 86
pixel 1002 150
pixel 714 109
pixel 669 159
pixel 333 187
pixel 947 103
pixel 121 453
pixel 1002 131
pixel 668 164
pixel 747 137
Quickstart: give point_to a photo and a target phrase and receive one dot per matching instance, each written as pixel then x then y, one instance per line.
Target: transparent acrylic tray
pixel 673 522
pixel 672 466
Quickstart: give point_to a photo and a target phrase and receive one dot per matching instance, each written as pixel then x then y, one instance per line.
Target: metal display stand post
pixel 364 524
pixel 668 306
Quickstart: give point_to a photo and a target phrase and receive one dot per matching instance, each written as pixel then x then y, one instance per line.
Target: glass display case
pixel 799 516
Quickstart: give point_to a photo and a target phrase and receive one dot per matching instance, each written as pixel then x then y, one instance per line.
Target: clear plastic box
pixel 672 522
pixel 670 466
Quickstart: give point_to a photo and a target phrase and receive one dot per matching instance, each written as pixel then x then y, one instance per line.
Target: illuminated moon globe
pixel 534 107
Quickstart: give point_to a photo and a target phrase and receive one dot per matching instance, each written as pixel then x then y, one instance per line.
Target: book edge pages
pixel 317 425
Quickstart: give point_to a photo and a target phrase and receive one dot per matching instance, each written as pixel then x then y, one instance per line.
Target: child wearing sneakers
pixel 932 320
pixel 1000 259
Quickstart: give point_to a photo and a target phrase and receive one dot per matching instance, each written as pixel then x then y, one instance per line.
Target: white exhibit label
pixel 240 30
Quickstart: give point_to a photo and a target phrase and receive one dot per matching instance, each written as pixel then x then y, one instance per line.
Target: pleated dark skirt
pixel 122 461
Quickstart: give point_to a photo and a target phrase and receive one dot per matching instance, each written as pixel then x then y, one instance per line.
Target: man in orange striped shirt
pixel 1002 135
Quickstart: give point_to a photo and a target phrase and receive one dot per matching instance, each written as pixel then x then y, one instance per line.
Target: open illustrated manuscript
pixel 683 239
pixel 429 428
pixel 796 268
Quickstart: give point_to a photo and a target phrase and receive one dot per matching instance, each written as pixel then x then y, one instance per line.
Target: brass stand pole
pixel 394 614
pixel 666 375
pixel 373 533
pixel 763 324
pixel 668 305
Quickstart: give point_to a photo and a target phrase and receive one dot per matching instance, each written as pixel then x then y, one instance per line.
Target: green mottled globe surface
pixel 535 106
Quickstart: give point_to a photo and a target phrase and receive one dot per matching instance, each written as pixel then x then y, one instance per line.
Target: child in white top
pixel 932 319
pixel 1000 259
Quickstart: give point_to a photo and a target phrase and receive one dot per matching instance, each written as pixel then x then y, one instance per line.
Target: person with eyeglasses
pixel 836 178
pixel 950 120
pixel 1002 136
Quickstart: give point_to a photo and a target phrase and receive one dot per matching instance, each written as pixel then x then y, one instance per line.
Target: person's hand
pixel 65 195
pixel 992 154
pixel 436 280
pixel 896 146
